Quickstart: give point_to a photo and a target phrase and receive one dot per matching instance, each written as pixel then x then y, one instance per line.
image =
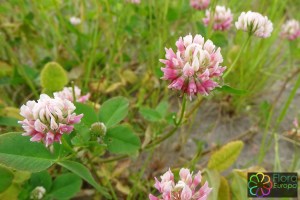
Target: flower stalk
pixel 73 91
pixel 238 56
pixel 177 123
pixel 280 117
pixel 172 131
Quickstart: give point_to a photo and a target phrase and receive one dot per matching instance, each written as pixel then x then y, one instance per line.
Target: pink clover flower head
pixel 199 4
pixel 187 188
pixel 221 20
pixel 295 123
pixel 254 23
pixel 134 1
pixel 47 119
pixel 290 29
pixel 195 66
pixel 67 93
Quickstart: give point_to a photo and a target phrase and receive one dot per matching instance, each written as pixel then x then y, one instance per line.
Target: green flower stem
pixel 238 56
pixel 90 62
pixel 172 131
pixel 70 156
pixel 111 188
pixel 295 161
pixel 277 165
pixel 73 91
pixel 195 107
pixel 289 101
pixel 66 44
pixel 192 112
pixel 20 69
pixel 140 175
pixel 66 144
pixel 166 10
pixel 159 140
pixel 177 123
pixel 210 30
pixel 263 142
pixel 290 98
pixel 291 55
pixel 280 117
pixel 116 158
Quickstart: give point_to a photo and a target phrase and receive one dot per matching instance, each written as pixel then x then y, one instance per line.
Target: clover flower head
pixel 98 129
pixel 199 4
pixel 75 20
pixel 47 119
pixel 38 193
pixel 295 123
pixel 255 23
pixel 195 66
pixel 187 188
pixel 67 93
pixel 294 132
pixel 221 20
pixel 134 1
pixel 290 29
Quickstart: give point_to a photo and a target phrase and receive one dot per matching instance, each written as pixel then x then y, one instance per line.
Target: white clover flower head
pixel 67 93
pixel 75 20
pixel 290 29
pixel 255 24
pixel 48 119
pixel 38 193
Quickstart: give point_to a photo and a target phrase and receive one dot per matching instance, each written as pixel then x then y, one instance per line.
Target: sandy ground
pixel 215 128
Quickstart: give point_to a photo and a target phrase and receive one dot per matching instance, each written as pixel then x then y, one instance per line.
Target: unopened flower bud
pixel 38 193
pixel 98 129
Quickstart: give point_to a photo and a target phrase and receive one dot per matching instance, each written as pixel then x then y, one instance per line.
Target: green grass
pixel 115 51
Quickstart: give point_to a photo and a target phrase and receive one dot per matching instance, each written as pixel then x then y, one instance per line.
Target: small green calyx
pixel 98 129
